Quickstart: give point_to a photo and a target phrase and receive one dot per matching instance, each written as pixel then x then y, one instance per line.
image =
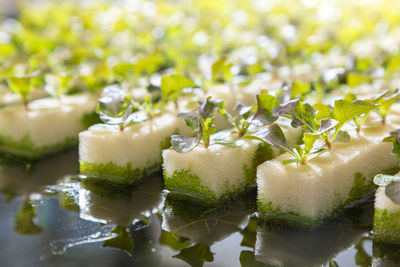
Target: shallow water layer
pixel 50 218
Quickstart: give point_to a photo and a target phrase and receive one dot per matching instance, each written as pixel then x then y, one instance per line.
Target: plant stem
pixel 26 102
pixel 328 144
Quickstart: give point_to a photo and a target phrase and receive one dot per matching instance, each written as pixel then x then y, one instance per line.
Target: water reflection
pixel 120 209
pixel 192 229
pixel 385 255
pixel 167 231
pixel 280 246
pixel 28 180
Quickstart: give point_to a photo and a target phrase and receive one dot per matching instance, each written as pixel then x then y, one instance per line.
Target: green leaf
pixel 392 191
pixel 272 135
pixel 301 114
pixel 222 110
pixel 23 220
pixel 208 107
pixel 309 140
pixel 122 241
pixel 217 66
pixel 208 129
pixel 22 84
pixel 265 104
pixel 354 79
pixel 333 263
pixel 384 179
pixel 172 86
pixel 386 104
pixel 221 70
pixel 200 120
pixel 57 85
pixel 196 255
pixel 300 88
pixel 173 240
pixel 243 110
pixel 326 125
pixel 343 111
pixel 323 111
pixel 191 119
pixel 350 97
pixel 184 144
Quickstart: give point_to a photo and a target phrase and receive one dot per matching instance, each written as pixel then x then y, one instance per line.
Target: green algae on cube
pixel 305 195
pixel 45 126
pixel 129 154
pixel 214 173
pixel 386 219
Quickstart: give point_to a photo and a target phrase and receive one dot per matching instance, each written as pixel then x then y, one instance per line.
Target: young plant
pixel 201 120
pixel 317 126
pixel 172 87
pixel 257 115
pixel 220 70
pixel 23 84
pixel 274 136
pixel 150 108
pixel 321 122
pixel 386 103
pixel 114 107
pixel 57 85
pixel 344 111
pixel 382 102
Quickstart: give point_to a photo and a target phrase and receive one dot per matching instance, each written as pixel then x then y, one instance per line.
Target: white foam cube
pixel 129 154
pixel 304 195
pixel 217 173
pixel 47 125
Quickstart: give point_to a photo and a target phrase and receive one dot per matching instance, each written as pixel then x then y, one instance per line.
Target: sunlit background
pixel 134 42
pixel 310 45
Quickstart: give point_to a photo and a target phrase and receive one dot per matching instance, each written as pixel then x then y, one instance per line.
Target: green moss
pixel 186 186
pixel 166 143
pixel 186 183
pixel 25 148
pixel 387 226
pixel 126 172
pixel 361 187
pixel 267 212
